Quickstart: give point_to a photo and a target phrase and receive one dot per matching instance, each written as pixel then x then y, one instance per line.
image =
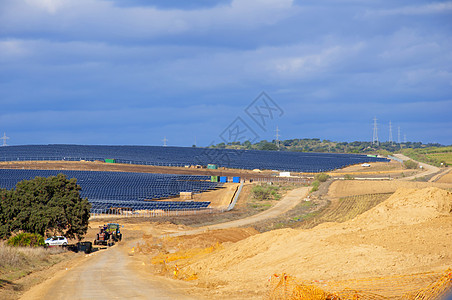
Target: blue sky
pixel 132 72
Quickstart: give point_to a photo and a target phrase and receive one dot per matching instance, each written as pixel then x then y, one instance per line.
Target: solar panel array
pixel 181 156
pixel 124 189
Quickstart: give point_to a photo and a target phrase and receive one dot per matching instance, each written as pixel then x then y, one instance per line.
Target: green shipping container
pixel 369 155
pixel 212 166
pixel 110 160
pixel 214 178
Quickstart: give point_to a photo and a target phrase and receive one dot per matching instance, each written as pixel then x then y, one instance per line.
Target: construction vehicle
pixel 108 235
pixel 113 230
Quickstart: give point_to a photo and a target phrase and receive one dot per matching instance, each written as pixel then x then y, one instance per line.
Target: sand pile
pixel 407 206
pixel 408 233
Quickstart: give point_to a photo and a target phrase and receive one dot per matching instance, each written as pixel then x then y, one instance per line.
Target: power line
pixel 390 132
pixel 4 138
pixel 375 135
pixel 277 136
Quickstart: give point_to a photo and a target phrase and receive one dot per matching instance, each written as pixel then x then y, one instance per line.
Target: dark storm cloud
pixel 156 68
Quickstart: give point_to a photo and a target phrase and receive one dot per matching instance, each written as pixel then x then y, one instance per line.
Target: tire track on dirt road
pixel 107 275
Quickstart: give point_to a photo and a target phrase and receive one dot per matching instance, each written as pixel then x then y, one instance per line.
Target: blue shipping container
pixel 223 179
pixel 236 179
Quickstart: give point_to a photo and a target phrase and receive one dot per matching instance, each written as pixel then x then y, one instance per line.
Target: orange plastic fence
pixel 423 286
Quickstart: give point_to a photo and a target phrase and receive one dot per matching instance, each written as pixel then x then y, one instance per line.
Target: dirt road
pixel 289 201
pixel 109 274
pixel 429 168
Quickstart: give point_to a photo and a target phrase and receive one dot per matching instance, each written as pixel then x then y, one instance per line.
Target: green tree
pixel 322 177
pixel 43 205
pixel 269 146
pixel 9 208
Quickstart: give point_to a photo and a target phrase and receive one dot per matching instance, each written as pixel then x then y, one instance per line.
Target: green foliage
pixel 349 177
pixel 43 205
pixel 269 147
pixel 265 192
pixel 315 186
pixel 322 177
pixel 317 145
pixel 409 164
pixel 26 239
pixel 431 155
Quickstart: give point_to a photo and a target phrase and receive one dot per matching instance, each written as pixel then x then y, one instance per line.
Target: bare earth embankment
pixel 408 233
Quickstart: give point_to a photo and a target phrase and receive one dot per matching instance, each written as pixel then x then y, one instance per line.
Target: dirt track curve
pixel 288 202
pixel 430 170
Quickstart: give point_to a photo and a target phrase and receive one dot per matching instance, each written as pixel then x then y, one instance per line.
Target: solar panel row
pixel 124 189
pixel 180 156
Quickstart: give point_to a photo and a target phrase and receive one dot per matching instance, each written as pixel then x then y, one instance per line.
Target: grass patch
pixel 264 195
pixel 17 262
pixel 433 155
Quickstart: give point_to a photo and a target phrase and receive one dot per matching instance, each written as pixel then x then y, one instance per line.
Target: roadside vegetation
pixel 264 195
pixel 432 155
pixel 318 179
pixel 409 164
pixel 18 262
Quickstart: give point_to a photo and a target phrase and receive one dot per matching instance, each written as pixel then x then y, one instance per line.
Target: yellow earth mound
pixel 407 206
pixel 408 233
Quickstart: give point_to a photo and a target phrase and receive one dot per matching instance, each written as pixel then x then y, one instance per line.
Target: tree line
pixel 317 145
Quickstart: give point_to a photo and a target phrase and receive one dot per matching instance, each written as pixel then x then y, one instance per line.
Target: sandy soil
pixel 220 198
pixel 343 188
pixel 446 178
pixel 408 233
pixel 106 275
pixel 393 167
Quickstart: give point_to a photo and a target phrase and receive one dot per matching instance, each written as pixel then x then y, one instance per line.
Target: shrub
pixel 348 177
pixel 315 186
pixel 265 192
pixel 26 239
pixel 409 164
pixel 322 177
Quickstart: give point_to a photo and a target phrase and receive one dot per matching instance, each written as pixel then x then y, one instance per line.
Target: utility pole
pixel 277 136
pixel 4 138
pixel 390 132
pixel 164 141
pixel 375 135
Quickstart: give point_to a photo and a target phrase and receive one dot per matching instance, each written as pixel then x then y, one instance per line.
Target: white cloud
pixel 12 49
pixel 49 6
pixel 88 19
pixel 432 8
